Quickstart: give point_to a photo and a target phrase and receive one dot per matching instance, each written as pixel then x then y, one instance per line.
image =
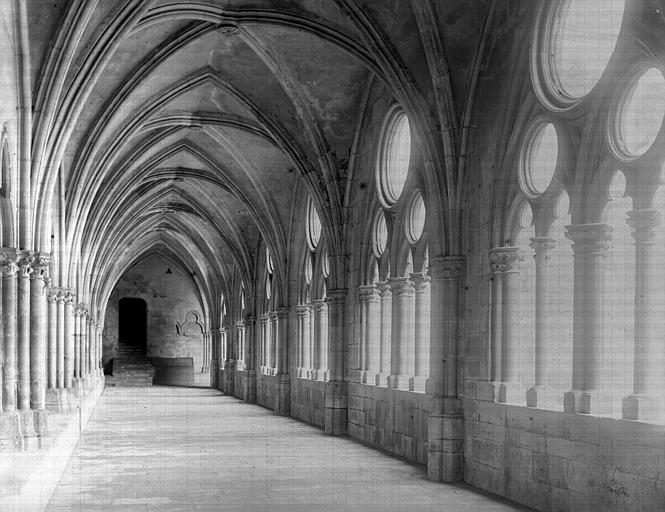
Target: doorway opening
pixel 132 323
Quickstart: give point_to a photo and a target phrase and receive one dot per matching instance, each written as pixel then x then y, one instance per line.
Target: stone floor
pixel 186 449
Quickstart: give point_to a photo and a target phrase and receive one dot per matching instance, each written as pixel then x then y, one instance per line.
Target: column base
pixel 512 393
pixel 417 384
pixel 398 382
pixel 583 402
pixel 250 387
pixel 283 401
pixel 381 380
pixel 642 407
pixel 445 448
pixel 336 408
pixel 322 375
pixel 214 375
pixel 542 397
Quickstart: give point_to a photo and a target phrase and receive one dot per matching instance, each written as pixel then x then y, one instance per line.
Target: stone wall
pixel 267 387
pixel 555 461
pixel 171 298
pixel 308 400
pixel 390 419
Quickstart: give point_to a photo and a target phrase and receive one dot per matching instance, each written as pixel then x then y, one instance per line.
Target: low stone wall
pixel 390 419
pixel 308 401
pixel 550 460
pixel 267 387
pixel 31 469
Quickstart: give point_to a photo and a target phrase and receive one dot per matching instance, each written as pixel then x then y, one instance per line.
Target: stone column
pixel 541 394
pixel 272 341
pixel 265 322
pixel 497 258
pixel 90 345
pixel 646 400
pixel 215 339
pixel 445 430
pixel 591 244
pixel 38 340
pixel 336 397
pixel 240 329
pixel 9 259
pixel 23 330
pixel 402 345
pixel 70 340
pixel 422 332
pixel 52 337
pixel 229 362
pixel 319 366
pixel 303 313
pixel 83 342
pixel 386 334
pixel 370 301
pixel 77 341
pixel 60 339
pixel 281 351
pixel 511 389
pixel 250 359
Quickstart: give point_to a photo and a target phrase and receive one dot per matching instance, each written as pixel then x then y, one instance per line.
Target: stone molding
pixel 590 239
pixel 368 293
pixel 402 286
pixel 645 224
pixel 446 268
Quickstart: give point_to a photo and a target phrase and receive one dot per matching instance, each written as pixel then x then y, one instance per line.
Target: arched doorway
pixel 132 323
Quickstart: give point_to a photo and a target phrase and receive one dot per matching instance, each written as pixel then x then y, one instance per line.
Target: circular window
pixel 394 157
pixel 313 226
pixel 641 112
pixel 380 234
pixel 579 41
pixel 540 159
pixel 415 222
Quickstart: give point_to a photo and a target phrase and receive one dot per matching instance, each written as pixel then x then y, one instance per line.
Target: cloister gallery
pixel 432 228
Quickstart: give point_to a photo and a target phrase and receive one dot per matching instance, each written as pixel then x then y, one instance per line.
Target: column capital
pixel 337 296
pixel 505 259
pixel 303 310
pixel 265 318
pixel 645 224
pixel 402 286
pixel 40 263
pixel 447 268
pixel 240 324
pixel 79 309
pixel 319 305
pixel 384 289
pixel 368 293
pixel 420 280
pixel 8 261
pixel 68 295
pixel 542 246
pixel 250 320
pixel 590 239
pixel 283 312
pixel 25 265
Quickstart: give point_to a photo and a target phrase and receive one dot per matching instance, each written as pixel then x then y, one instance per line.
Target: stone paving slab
pixel 193 449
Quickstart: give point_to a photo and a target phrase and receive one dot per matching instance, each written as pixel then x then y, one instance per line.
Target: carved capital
pixel 421 281
pixel 25 265
pixel 645 224
pixel 368 293
pixel 319 305
pixel 384 289
pixel 505 259
pixel 542 247
pixel 283 312
pixel 302 310
pixel 240 324
pixel 336 296
pixel 68 295
pixel 447 268
pixel 402 286
pixel 265 318
pixel 8 261
pixel 250 320
pixel 40 264
pixel 590 239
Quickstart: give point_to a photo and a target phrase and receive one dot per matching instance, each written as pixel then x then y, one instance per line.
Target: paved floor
pixel 187 449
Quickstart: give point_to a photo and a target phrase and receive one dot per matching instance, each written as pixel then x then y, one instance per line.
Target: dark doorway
pixel 132 325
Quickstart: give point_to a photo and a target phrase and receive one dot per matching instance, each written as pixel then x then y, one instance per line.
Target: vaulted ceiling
pixel 184 127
